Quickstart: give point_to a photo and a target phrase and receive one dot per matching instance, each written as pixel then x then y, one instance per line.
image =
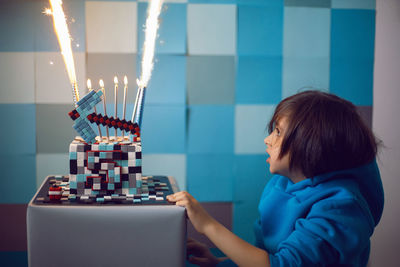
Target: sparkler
pixel 89 86
pixel 115 101
pixel 101 83
pixel 154 10
pixel 64 39
pixel 139 104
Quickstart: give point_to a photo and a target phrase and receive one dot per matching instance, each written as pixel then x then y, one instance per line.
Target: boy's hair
pixel 325 133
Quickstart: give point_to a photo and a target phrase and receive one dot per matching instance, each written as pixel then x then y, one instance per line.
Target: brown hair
pixel 325 133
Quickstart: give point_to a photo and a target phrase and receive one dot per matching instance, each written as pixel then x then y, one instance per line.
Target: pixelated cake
pixel 106 172
pixel 105 168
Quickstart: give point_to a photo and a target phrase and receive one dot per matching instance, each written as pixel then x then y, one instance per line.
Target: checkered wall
pixel 220 69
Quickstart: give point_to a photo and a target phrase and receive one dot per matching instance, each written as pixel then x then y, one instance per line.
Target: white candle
pixel 115 102
pixel 124 107
pixel 101 83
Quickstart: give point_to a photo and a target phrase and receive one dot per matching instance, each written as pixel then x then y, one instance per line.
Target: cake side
pixel 105 168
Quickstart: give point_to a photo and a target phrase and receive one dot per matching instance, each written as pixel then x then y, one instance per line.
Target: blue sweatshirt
pixel 325 220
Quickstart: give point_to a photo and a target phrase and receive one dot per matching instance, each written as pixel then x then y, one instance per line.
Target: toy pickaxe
pixel 82 116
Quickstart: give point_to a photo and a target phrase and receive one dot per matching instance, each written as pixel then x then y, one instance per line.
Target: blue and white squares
pixel 118 24
pixel 211 129
pixel 352 55
pixel 251 123
pixel 260 29
pixel 211 29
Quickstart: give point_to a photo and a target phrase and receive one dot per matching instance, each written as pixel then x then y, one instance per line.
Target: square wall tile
pixel 260 30
pixel 303 37
pixel 212 1
pixel 54 128
pixel 172 29
pixel 18 132
pixel 164 129
pixel 211 129
pixel 354 4
pixel 118 24
pixel 251 128
pixel 211 29
pixel 167 84
pixel 17 179
pixel 309 3
pixel 210 79
pixel 352 33
pixel 51 78
pixel 14 258
pixel 45 36
pixel 210 177
pixel 107 65
pixel 17 27
pixel 301 73
pixel 17 77
pixel 306 49
pixel 259 80
pixel 274 3
pixel 250 177
pixel 167 1
pixel 51 164
pixel 166 165
pixel 352 55
pixel 353 80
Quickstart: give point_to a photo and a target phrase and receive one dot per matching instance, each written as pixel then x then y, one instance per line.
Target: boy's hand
pixel 198 253
pixel 196 213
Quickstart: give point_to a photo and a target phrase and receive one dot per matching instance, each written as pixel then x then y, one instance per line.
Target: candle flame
pixel 64 39
pixel 154 10
pixel 115 79
pixel 89 84
pixel 101 83
pixel 125 80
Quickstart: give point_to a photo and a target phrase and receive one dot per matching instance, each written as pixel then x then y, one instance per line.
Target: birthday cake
pixel 107 171
pixel 105 168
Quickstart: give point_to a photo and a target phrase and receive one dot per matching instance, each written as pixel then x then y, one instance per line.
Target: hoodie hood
pixel 366 179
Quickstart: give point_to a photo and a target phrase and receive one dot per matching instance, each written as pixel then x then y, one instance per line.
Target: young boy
pixel 322 204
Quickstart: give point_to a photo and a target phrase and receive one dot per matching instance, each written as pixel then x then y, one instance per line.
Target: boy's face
pixel 274 142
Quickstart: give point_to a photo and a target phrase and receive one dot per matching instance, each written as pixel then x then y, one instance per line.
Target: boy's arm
pixel 238 250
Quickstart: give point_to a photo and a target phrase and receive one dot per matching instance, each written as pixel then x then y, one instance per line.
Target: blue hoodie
pixel 325 220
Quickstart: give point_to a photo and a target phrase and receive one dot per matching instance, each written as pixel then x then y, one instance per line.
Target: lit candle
pixel 101 83
pixel 89 86
pixel 124 107
pixel 115 101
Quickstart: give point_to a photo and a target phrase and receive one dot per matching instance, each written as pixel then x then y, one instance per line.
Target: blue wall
pixel 221 67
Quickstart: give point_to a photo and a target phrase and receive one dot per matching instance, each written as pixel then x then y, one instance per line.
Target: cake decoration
pixel 105 169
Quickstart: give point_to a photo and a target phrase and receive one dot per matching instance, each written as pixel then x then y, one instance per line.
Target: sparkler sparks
pixel 154 10
pixel 64 39
pixel 153 13
pixel 47 11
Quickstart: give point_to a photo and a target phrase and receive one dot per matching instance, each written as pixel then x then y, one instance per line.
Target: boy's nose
pixel 266 140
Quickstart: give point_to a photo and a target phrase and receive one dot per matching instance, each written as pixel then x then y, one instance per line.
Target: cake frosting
pixel 105 168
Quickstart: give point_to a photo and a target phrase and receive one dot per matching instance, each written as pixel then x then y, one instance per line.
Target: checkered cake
pixel 105 168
